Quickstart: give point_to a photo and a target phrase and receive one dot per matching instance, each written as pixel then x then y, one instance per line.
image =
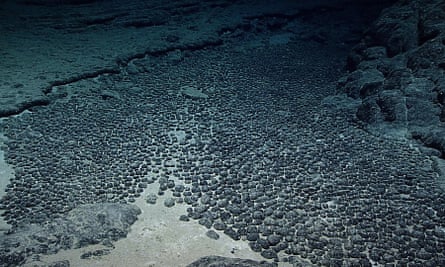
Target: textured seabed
pixel 259 159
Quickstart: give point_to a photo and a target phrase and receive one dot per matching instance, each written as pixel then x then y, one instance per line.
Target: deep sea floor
pixel 255 155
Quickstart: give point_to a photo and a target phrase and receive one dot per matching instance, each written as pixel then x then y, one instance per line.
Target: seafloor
pixel 239 137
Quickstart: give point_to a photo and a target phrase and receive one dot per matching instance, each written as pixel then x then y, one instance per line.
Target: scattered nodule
pixel 184 218
pixel 212 234
pixel 151 198
pixel 269 254
pixel 169 202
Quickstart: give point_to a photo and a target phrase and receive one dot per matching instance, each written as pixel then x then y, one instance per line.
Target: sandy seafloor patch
pixel 158 239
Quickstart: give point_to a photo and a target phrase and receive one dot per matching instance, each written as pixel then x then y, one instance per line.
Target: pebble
pixel 212 234
pixel 169 202
pixel 151 198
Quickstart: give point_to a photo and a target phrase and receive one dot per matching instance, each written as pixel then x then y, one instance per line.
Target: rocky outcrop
pixel 83 226
pixel 397 73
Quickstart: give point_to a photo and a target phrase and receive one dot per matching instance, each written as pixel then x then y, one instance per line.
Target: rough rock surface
pixel 85 225
pixel 397 73
pixel 216 261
